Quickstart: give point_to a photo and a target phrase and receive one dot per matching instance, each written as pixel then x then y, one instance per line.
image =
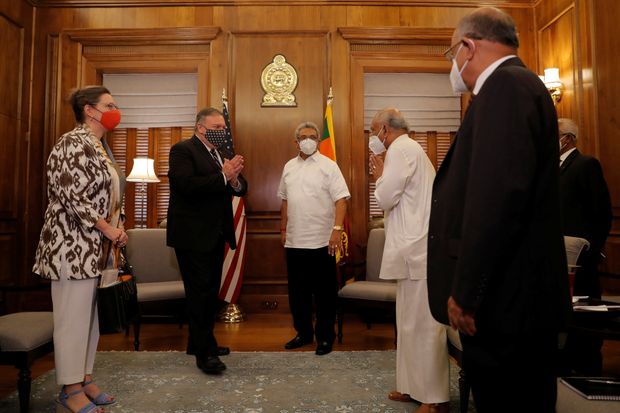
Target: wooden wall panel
pixel 265 135
pixel 11 56
pixel 15 69
pixel 557 45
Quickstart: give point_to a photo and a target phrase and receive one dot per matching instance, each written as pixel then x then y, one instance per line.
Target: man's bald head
pixel 392 118
pixel 489 23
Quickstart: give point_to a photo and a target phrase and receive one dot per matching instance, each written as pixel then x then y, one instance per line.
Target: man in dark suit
pixel 496 263
pixel 200 221
pixel 586 213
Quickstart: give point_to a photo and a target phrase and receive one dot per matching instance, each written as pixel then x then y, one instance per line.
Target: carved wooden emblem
pixel 279 80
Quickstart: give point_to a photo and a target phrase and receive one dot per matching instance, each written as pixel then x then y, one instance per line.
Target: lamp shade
pixel 143 171
pixel 552 77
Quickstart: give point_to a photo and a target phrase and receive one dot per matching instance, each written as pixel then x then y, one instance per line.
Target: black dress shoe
pixel 223 351
pixel 297 342
pixel 210 364
pixel 323 348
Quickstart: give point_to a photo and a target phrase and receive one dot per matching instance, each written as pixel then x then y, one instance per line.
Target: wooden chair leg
pixel 136 334
pixel 24 381
pixel 340 322
pixel 395 332
pixel 464 388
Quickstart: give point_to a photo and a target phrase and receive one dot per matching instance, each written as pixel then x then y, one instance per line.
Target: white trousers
pixel 422 366
pixel 76 328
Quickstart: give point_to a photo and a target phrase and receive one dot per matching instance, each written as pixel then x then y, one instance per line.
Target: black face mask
pixel 217 137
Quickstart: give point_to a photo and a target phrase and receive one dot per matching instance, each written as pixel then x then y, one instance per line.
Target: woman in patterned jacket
pixel 82 221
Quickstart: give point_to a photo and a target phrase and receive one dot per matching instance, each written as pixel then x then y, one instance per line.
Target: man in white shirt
pixel 404 189
pixel 314 196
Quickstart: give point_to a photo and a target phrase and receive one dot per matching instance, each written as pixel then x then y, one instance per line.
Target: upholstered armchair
pixel 156 270
pixel 367 294
pixel 574 246
pixel 24 337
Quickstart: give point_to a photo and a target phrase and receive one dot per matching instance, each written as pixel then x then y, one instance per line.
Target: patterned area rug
pixel 277 382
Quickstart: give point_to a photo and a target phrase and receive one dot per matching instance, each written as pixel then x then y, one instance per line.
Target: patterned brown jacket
pixel 79 193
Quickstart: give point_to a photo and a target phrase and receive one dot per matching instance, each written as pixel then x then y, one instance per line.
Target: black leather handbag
pixel 117 303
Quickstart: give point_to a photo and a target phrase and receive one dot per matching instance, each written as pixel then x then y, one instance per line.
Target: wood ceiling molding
pixel 153 51
pixel 135 37
pixel 396 35
pixel 156 36
pixel 173 3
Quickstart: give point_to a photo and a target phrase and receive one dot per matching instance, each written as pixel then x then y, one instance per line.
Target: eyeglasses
pixel 111 106
pixel 450 53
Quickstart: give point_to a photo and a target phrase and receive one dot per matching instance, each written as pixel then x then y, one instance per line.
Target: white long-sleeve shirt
pixel 404 192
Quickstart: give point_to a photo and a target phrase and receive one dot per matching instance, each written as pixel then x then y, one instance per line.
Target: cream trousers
pixel 76 328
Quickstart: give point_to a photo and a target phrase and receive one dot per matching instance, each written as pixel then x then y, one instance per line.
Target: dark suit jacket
pixel 584 199
pixel 200 209
pixel 495 238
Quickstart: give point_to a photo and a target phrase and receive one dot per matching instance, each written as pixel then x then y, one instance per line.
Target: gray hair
pixel 393 118
pixel 304 125
pixel 207 112
pixel 490 23
pixel 568 127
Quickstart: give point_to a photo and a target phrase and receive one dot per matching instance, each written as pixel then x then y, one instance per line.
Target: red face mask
pixel 110 119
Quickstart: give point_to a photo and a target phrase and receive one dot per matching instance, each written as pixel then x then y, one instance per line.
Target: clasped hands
pixel 375 165
pixel 232 168
pixel 118 236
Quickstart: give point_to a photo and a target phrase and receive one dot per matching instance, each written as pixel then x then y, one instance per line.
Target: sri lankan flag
pixel 328 148
pixel 328 145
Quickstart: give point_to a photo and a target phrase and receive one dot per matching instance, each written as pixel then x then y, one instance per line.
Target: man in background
pixel 404 189
pixel 586 213
pixel 496 262
pixel 200 222
pixel 314 203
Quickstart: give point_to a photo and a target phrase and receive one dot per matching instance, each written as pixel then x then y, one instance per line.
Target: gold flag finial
pixel 224 95
pixel 330 96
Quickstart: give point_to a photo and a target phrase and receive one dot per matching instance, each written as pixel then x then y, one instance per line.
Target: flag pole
pixel 231 312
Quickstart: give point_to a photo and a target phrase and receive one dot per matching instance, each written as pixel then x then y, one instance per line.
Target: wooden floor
pixel 260 332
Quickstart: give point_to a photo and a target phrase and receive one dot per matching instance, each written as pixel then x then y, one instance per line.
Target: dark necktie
pixel 215 158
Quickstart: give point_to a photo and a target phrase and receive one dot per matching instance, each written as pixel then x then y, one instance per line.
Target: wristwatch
pixel 337 228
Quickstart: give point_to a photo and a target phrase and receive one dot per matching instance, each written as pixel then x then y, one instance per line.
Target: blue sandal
pixel 102 399
pixel 63 397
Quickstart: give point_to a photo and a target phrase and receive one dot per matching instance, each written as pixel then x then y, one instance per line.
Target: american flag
pixel 234 260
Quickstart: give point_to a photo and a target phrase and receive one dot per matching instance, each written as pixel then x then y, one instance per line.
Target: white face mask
pixel 308 146
pixel 375 144
pixel 458 85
